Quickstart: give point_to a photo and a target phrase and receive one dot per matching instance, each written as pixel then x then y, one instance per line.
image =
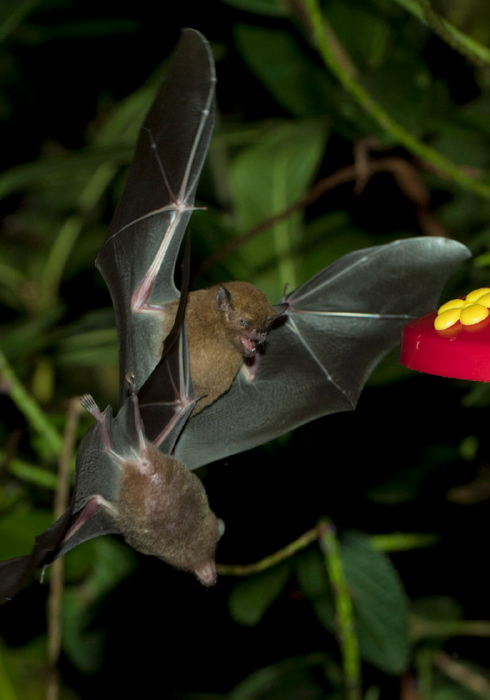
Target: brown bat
pixel 226 325
pixel 136 487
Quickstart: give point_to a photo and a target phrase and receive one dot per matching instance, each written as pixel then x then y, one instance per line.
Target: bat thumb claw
pixel 131 382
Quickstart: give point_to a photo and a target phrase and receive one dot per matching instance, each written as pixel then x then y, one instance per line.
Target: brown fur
pixel 163 510
pixel 214 335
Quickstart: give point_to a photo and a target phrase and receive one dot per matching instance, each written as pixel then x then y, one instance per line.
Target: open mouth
pixel 249 346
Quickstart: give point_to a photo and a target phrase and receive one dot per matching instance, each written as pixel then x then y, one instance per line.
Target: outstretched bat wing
pixel 14 573
pixel 338 327
pixel 95 475
pixel 137 259
pixel 167 397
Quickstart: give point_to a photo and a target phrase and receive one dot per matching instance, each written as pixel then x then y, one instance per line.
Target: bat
pixel 129 485
pixel 290 363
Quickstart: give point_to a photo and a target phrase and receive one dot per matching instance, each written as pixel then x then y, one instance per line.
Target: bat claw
pixel 88 403
pixel 131 382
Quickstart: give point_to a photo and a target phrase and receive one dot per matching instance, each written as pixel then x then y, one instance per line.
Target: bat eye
pixel 244 323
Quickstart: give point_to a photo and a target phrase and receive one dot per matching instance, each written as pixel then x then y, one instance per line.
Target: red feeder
pixel 451 342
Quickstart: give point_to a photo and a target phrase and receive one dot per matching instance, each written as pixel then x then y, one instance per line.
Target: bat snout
pixel 252 342
pixel 249 345
pixel 206 573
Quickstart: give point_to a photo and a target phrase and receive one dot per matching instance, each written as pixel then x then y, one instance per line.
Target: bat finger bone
pixel 93 505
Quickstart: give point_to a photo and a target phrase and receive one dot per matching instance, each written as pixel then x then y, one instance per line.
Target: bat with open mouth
pixel 222 370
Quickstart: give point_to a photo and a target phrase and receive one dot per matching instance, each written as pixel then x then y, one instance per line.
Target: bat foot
pixel 89 405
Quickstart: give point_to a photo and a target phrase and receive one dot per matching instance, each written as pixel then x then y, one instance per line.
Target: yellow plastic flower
pixel 469 311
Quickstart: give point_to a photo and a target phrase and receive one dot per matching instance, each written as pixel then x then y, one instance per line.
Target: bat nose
pixel 259 335
pixel 206 573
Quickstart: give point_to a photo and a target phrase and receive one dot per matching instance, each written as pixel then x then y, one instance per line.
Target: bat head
pixel 248 314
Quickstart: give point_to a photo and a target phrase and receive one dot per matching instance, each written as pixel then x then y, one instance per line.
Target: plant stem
pixel 325 39
pixel 343 608
pixel 50 443
pixel 57 569
pixel 266 563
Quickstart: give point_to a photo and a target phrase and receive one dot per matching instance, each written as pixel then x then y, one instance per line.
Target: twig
pixel 266 563
pixel 406 177
pixel 50 440
pixel 56 580
pixel 463 675
pixel 465 45
pixel 325 531
pixel 343 608
pixel 396 542
pixel 422 628
pixel 321 34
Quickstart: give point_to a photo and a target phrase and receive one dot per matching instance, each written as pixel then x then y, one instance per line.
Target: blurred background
pixel 387 136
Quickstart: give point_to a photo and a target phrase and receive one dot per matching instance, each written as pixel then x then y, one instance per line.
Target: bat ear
pixel 223 299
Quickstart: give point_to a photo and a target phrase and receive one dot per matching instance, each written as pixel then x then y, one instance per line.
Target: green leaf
pixel 97 347
pixel 12 13
pixel 327 238
pixel 366 48
pixel 315 585
pixel 291 78
pixel 267 8
pixel 466 42
pixel 456 693
pixel 409 93
pixel 267 178
pixel 289 679
pixel 31 473
pixel 7 683
pixel 31 335
pixel 380 604
pixel 18 530
pixel 62 169
pixel 252 596
pixel 23 672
